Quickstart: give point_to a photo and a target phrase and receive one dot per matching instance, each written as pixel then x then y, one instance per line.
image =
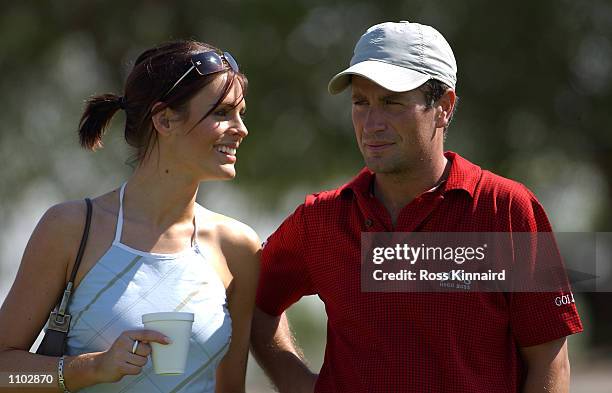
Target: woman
pixel 151 247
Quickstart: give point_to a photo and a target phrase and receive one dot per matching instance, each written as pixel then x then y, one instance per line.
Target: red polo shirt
pixel 412 342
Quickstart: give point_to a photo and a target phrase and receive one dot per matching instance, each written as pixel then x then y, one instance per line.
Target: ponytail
pixel 98 113
pixel 148 83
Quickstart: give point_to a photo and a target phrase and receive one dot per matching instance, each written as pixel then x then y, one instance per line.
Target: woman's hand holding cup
pixel 128 354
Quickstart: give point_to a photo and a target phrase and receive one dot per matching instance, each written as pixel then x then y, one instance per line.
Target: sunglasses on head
pixel 207 63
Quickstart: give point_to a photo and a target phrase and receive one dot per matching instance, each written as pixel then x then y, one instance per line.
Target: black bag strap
pixel 63 303
pixel 83 241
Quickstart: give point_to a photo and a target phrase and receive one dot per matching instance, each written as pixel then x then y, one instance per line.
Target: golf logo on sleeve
pixel 564 300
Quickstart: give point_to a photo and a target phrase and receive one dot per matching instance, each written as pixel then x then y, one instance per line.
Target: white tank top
pixel 126 283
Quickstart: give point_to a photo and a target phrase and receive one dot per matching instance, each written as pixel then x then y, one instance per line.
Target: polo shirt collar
pixel 463 175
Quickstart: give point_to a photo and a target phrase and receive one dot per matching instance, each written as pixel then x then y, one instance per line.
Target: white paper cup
pixel 170 359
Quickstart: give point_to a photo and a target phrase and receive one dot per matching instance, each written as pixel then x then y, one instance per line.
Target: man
pixel 403 77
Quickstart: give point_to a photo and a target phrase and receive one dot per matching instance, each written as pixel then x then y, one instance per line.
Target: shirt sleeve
pixel 284 276
pixel 540 317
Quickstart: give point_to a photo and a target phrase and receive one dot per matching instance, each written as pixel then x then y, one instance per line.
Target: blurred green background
pixel 534 79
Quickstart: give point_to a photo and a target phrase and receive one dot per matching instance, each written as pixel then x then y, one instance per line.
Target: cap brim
pixel 389 76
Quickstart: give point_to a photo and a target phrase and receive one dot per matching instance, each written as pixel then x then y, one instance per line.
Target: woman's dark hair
pixel 154 73
pixel 434 90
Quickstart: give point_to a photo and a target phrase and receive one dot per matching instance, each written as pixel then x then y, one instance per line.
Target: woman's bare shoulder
pixel 227 230
pixel 62 222
pixel 237 241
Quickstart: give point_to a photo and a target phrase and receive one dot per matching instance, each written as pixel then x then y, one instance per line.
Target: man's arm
pixel 275 350
pixel 548 367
